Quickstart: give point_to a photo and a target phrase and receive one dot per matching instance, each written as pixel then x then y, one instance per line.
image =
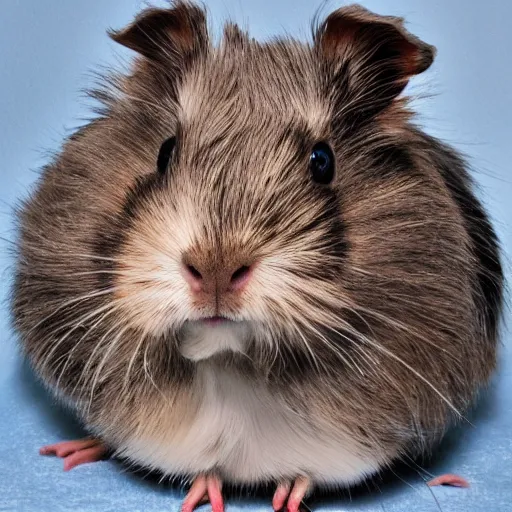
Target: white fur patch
pixel 250 436
pixel 202 341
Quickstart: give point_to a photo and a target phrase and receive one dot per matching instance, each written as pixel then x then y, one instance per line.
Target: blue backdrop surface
pixel 47 50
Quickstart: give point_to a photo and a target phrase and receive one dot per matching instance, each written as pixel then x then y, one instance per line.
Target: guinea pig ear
pixel 166 34
pixel 371 57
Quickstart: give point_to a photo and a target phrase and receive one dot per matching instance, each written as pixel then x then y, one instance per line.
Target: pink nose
pixel 216 280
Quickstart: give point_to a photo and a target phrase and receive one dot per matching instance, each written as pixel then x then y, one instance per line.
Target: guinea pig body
pixel 253 264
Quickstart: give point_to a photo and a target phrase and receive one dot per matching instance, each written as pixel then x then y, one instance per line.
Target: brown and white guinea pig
pixel 252 267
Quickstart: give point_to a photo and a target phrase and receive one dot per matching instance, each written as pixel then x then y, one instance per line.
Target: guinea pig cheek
pixel 149 288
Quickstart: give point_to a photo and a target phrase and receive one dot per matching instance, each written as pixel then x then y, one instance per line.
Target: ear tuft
pixel 162 34
pixel 235 36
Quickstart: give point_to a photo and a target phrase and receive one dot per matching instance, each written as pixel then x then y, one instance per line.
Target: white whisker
pixel 112 345
pixel 150 377
pixel 88 332
pixel 78 324
pixel 75 300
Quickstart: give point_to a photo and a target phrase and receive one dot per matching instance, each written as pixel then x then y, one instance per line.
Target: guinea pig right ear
pixel 166 34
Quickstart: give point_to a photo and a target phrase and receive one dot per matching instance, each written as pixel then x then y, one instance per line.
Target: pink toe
pixel 92 454
pixel 292 506
pixel 195 495
pixel 280 496
pixel 65 448
pixel 215 494
pixel 187 507
pixel 449 479
pixel 300 488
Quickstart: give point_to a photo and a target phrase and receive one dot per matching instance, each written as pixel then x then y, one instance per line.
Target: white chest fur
pixel 250 436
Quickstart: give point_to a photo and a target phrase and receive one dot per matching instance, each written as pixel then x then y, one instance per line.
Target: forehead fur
pixel 245 82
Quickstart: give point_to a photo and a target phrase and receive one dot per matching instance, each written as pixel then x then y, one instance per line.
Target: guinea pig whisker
pixel 116 305
pixel 357 310
pixel 112 307
pixel 390 469
pixel 97 272
pixel 111 346
pixel 402 326
pixel 338 350
pixel 308 346
pixel 133 358
pixel 392 381
pixel 64 250
pixel 148 373
pixel 88 332
pixel 360 349
pixel 265 341
pixel 376 345
pixel 390 354
pixel 79 322
pixel 399 325
pixel 323 299
pixel 424 474
pixel 94 257
pixel 75 301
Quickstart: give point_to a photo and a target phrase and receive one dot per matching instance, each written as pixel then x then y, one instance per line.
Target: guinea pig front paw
pixel 204 489
pixel 291 496
pixel 80 451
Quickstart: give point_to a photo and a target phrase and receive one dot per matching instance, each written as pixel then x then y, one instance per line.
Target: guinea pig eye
pixel 321 163
pixel 165 154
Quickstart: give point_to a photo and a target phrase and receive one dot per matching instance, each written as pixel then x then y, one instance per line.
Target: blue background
pixel 47 50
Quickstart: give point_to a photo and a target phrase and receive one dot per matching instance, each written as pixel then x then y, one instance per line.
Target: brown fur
pixel 373 311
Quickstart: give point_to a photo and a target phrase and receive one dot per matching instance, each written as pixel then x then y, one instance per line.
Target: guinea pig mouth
pixel 213 321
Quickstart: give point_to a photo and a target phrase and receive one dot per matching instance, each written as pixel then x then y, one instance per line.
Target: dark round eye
pixel 165 154
pixel 321 163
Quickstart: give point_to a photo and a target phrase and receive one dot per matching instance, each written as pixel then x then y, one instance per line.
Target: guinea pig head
pixel 233 235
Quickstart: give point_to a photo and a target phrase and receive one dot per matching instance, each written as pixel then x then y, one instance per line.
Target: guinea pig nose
pixel 239 277
pixel 215 278
pixel 193 277
pixel 231 278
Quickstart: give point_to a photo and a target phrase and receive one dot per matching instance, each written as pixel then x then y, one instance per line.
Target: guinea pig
pixel 252 267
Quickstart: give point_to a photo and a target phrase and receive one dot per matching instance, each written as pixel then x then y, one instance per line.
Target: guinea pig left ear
pixel 166 34
pixel 370 56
